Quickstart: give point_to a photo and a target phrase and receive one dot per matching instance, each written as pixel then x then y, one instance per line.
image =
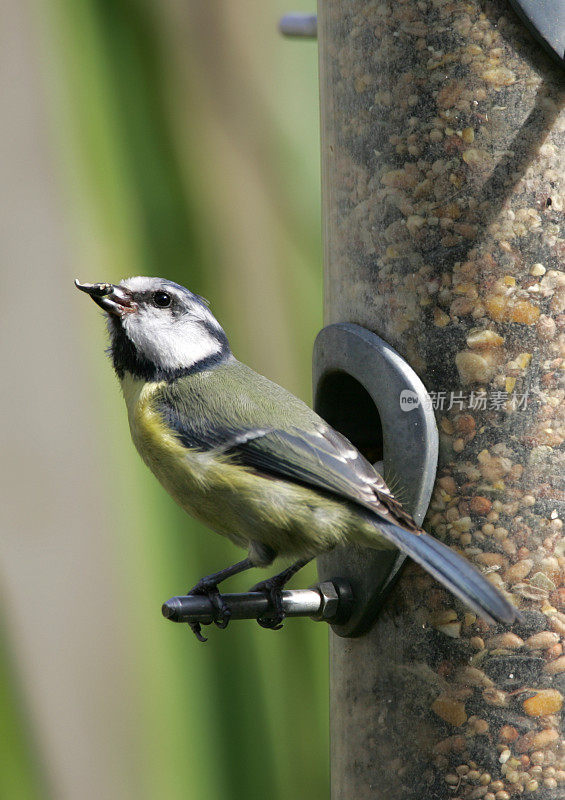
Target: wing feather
pixel 321 461
pixel 320 457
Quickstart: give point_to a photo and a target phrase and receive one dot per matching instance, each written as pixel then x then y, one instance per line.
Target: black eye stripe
pixel 181 300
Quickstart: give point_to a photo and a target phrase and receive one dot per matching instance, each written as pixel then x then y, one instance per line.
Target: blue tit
pixel 250 460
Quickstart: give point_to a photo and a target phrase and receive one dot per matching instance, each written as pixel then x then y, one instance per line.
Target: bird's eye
pixel 162 299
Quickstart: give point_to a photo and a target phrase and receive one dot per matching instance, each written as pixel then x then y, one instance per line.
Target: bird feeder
pixel 443 142
pixel 442 167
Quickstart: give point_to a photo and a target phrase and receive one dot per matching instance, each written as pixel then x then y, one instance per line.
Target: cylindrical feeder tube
pixel 443 160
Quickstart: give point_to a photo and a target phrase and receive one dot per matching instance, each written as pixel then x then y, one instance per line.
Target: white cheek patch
pixel 168 343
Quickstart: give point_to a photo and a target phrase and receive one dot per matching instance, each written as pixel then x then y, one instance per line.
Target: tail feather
pixel 454 572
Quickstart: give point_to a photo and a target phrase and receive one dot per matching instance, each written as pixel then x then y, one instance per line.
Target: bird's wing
pixel 273 432
pixel 330 462
pixel 320 458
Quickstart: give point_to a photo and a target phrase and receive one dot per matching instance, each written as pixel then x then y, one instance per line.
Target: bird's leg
pixel 209 586
pixel 273 587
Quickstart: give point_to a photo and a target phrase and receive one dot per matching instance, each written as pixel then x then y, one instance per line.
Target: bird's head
pixel 158 329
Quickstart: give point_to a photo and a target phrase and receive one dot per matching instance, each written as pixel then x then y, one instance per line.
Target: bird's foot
pixel 222 613
pixel 272 588
pixel 196 628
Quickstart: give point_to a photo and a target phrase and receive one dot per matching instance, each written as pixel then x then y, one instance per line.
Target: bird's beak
pixel 113 299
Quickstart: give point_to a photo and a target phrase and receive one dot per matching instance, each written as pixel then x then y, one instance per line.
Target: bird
pixel 249 459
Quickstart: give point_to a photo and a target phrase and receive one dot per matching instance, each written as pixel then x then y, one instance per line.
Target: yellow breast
pixel 190 476
pixel 175 466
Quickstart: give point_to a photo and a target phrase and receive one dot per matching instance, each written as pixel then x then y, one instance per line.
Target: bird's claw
pixel 272 620
pixel 271 623
pixel 196 628
pixel 222 613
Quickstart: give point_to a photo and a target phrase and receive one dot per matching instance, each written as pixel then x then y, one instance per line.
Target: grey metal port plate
pixel 410 451
pixel 546 21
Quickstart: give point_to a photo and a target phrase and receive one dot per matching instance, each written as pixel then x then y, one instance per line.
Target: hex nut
pixel 330 601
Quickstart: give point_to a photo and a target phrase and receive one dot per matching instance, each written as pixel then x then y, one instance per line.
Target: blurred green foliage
pixel 146 132
pixel 21 773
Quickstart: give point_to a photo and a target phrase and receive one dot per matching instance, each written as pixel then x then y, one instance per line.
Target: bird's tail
pixel 453 571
